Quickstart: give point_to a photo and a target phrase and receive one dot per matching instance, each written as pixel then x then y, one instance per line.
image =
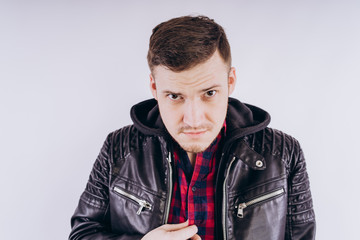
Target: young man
pixel 195 164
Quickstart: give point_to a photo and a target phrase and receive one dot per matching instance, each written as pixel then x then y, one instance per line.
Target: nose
pixel 194 113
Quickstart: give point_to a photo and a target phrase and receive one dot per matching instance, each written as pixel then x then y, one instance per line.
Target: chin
pixel 194 148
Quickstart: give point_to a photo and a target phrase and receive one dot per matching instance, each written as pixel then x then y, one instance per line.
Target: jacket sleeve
pixel 91 219
pixel 300 217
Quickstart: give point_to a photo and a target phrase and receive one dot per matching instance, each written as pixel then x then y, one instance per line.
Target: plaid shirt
pixel 194 189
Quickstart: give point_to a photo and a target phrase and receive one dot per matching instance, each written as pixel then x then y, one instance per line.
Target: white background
pixel 71 70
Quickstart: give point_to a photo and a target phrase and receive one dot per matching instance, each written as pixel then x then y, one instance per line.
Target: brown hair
pixel 181 43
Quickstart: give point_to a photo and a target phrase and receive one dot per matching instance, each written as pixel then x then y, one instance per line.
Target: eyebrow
pixel 209 88
pixel 170 92
pixel 203 90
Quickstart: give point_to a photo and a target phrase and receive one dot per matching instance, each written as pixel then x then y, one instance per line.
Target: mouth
pixel 194 134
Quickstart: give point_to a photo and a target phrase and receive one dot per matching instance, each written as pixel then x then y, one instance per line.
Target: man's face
pixel 193 103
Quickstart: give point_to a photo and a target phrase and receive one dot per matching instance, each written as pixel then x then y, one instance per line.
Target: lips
pixel 197 132
pixel 194 134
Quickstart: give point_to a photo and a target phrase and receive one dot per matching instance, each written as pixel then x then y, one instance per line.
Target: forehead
pixel 213 71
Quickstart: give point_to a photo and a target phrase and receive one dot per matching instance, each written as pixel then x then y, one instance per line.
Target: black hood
pixel 241 119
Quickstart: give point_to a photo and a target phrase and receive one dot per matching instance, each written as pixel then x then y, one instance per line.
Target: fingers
pixel 182 231
pixel 174 227
pixel 196 237
pixel 178 231
pixel 186 233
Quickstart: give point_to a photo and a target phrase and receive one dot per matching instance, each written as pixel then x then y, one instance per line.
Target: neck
pixel 192 158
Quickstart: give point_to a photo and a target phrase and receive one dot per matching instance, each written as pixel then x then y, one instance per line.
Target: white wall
pixel 71 70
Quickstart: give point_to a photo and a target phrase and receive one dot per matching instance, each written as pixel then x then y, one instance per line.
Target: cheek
pixel 217 111
pixel 170 115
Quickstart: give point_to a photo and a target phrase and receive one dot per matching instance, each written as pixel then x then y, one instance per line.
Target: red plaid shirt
pixel 194 189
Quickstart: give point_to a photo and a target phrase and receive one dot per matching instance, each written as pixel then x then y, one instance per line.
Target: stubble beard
pixel 193 148
pixel 196 147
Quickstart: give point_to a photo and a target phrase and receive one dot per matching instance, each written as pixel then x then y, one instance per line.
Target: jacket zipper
pixel 242 206
pixel 224 199
pixel 143 204
pixel 169 188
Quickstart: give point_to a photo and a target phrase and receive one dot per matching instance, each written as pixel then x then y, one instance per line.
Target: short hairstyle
pixel 181 43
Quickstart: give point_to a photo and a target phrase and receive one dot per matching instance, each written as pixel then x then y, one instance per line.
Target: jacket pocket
pixel 259 212
pixel 135 209
pixel 143 204
pixel 258 200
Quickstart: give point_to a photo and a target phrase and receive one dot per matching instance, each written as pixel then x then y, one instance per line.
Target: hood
pixel 241 119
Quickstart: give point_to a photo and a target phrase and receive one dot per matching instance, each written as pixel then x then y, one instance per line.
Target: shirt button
pixel 193 189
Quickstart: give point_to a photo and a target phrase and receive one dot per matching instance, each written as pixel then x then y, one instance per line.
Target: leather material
pixel 136 162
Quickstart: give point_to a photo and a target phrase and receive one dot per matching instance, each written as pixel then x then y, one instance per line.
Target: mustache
pixel 187 128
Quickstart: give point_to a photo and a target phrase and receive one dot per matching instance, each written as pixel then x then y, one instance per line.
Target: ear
pixel 153 86
pixel 232 80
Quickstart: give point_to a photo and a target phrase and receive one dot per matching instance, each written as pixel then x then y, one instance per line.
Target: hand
pixel 179 231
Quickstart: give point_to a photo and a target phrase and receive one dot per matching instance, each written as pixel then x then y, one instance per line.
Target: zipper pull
pixel 140 209
pixel 240 212
pixel 143 204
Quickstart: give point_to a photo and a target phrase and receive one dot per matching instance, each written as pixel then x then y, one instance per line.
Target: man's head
pixel 191 78
pixel 181 43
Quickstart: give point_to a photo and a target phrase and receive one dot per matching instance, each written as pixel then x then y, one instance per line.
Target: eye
pixel 173 96
pixel 210 93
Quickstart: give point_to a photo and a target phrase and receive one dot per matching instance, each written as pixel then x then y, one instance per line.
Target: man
pixel 195 164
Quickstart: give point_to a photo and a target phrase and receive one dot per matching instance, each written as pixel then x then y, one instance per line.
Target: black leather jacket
pixel 262 187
